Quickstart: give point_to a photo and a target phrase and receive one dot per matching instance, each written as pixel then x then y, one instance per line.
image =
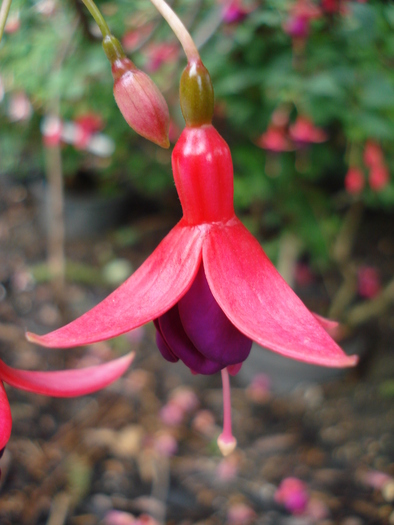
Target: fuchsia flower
pixel 292 493
pixel 134 37
pixel 275 139
pixel 373 154
pixel 379 177
pixel 234 12
pixel 354 180
pixel 300 15
pixel 208 287
pixel 368 282
pixel 159 53
pixel 86 126
pixel 304 131
pixel 64 383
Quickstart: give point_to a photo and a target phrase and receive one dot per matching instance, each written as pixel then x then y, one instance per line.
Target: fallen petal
pixel 260 304
pixel 63 383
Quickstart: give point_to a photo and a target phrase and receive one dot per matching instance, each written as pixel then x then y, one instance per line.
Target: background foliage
pixel 329 61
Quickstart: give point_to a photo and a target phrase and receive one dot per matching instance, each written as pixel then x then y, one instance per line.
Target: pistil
pixel 226 441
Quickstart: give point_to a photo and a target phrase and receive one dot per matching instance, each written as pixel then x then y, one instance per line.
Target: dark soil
pixel 73 461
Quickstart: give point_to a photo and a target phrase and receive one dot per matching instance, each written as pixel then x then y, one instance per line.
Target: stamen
pixel 226 441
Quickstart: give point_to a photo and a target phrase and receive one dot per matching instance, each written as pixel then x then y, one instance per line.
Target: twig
pixel 59 509
pixel 56 228
pixel 289 249
pixel 341 253
pixel 373 308
pixel 160 486
pixel 4 10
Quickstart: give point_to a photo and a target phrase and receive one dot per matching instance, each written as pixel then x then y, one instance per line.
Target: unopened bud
pixel 137 96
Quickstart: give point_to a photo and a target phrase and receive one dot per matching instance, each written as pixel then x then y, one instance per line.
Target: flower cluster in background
pixel 374 171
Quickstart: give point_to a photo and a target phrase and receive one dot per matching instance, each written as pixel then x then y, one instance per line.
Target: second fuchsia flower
pixel 63 383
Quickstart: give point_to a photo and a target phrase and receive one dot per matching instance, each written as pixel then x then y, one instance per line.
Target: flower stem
pixel 98 17
pixel 226 440
pixel 4 10
pixel 179 29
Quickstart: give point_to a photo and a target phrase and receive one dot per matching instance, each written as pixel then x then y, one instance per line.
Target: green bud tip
pixel 196 94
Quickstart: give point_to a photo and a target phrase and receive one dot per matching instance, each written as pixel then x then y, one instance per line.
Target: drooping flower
pixel 135 36
pixel 159 53
pixel 368 282
pixel 234 12
pixel 300 15
pixel 354 180
pixel 275 139
pixel 209 287
pixel 304 131
pixel 86 125
pixel 379 177
pixel 373 154
pixel 293 494
pixel 64 383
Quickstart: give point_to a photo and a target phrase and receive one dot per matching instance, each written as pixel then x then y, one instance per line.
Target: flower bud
pixel 138 98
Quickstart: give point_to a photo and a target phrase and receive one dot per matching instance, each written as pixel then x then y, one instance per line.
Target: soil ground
pixel 73 461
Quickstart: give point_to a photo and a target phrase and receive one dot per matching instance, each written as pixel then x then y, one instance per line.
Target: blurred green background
pixel 304 93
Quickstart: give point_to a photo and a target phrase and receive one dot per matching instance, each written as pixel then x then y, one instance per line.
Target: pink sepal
pixel 152 290
pixel 63 383
pixel 258 301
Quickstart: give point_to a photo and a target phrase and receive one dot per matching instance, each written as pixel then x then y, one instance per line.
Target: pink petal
pixel 152 290
pixel 66 383
pixel 259 302
pixel 5 418
pixel 328 324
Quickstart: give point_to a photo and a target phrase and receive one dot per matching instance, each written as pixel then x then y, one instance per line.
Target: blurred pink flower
pixel 275 139
pixel 134 37
pixel 292 493
pixel 300 14
pixel 240 514
pixel 227 468
pixel 304 131
pixel 373 154
pixel 51 129
pixel 19 107
pixel 13 23
pixel 171 414
pixel 86 126
pixel 234 12
pixel 259 388
pixel 354 180
pixel 368 282
pixel 204 422
pixel 165 444
pixel 379 177
pixel 159 53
